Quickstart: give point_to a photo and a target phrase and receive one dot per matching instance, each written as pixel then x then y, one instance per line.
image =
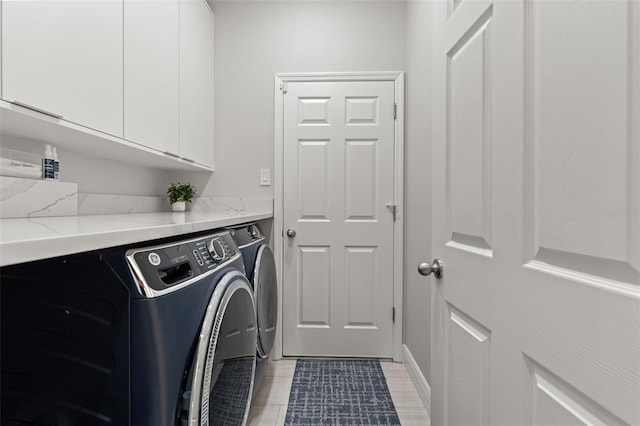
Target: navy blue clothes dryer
pixel 162 333
pixel 260 268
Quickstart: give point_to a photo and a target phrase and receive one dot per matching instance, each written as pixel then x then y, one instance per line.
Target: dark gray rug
pixel 340 392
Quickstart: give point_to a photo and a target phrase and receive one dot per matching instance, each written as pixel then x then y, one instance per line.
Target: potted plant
pixel 179 194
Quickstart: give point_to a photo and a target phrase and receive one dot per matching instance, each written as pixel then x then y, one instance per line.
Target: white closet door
pixel 338 177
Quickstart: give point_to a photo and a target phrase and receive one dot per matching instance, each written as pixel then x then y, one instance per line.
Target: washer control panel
pixel 162 267
pixel 217 250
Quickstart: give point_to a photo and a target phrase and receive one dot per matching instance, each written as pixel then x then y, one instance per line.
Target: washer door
pixel 265 287
pixel 225 361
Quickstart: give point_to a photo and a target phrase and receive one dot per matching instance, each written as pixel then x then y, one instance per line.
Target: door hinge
pixel 283 87
pixel 393 209
pixel 393 314
pixel 395 111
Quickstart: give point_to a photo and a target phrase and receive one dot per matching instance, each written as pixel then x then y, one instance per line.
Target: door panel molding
pixel 554 401
pixel 363 112
pixel 314 266
pixel 469 162
pixel 468 362
pixel 596 187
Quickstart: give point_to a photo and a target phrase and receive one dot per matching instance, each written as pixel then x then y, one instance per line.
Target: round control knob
pixel 253 231
pixel 216 250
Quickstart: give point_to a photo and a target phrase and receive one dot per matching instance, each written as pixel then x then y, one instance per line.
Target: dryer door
pixel 224 366
pixel 265 287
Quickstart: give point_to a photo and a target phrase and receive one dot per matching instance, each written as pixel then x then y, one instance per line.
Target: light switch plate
pixel 265 177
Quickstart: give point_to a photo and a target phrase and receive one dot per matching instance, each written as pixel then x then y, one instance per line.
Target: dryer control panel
pixel 164 268
pixel 247 234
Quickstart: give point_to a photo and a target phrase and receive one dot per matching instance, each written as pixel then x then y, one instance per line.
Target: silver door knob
pixel 437 268
pixel 291 233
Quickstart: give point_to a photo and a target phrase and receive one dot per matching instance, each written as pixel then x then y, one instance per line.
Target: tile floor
pixel 270 405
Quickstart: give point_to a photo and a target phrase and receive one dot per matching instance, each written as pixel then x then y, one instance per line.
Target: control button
pixel 198 258
pixel 216 249
pixel 154 259
pixel 253 231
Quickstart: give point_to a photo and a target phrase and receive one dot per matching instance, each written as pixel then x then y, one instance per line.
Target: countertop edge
pixel 28 250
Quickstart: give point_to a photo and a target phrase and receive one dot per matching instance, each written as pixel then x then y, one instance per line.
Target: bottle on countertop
pixel 48 164
pixel 56 164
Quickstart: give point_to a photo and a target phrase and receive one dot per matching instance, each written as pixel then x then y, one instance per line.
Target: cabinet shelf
pixel 21 123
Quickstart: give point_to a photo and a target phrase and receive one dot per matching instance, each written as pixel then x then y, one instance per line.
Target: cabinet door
pixel 65 57
pixel 196 81
pixel 151 82
pixel 0 49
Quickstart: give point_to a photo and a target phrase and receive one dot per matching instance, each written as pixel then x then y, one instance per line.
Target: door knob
pixel 437 267
pixel 291 233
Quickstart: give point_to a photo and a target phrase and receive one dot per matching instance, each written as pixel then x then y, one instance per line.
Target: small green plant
pixel 180 192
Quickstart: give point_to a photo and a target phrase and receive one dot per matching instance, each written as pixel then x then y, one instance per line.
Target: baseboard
pixel 416 376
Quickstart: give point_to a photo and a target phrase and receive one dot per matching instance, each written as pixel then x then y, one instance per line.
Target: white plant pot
pixel 179 206
pixel 178 217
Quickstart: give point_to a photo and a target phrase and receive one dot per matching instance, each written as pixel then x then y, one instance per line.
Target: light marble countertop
pixel 28 239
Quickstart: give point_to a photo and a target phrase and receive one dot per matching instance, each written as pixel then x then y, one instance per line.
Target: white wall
pixel 256 39
pixel 417 291
pixel 98 175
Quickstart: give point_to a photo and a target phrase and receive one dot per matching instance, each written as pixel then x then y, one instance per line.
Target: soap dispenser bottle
pixel 56 164
pixel 48 164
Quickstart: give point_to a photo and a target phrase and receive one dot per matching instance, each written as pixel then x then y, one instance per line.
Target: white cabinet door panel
pixel 151 80
pixel 0 49
pixel 65 57
pixel 196 81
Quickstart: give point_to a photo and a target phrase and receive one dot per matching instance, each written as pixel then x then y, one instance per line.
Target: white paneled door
pixel 536 213
pixel 338 254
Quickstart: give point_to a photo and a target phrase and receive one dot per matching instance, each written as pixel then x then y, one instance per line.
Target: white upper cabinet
pixel 151 79
pixel 65 57
pixel 0 49
pixel 139 70
pixel 196 81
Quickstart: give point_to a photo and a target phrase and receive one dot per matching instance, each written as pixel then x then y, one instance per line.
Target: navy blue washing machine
pixel 163 333
pixel 260 269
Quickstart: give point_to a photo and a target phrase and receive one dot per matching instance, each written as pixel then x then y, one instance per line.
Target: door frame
pixel 281 81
